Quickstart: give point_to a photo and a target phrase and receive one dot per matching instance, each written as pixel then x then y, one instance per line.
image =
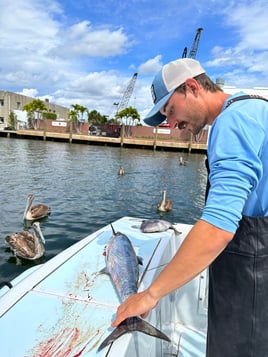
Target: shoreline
pixel 140 143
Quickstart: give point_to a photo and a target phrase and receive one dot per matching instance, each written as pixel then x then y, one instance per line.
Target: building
pixel 14 102
pixel 262 91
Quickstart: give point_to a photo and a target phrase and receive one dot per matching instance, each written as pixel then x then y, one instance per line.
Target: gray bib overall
pixel 238 292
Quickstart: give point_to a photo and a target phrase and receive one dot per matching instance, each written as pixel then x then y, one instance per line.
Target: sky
pixel 87 51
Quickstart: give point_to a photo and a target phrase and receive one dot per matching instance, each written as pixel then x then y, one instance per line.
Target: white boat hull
pixel 65 308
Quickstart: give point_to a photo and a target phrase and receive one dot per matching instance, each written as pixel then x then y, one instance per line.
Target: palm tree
pixel 35 111
pixel 83 110
pixel 127 117
pixel 72 115
pixel 80 110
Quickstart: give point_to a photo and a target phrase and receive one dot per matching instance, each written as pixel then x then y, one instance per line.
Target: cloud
pixel 250 20
pixel 82 39
pixel 151 66
pixel 97 90
pixel 242 61
pixel 86 51
pixel 29 26
pixel 29 92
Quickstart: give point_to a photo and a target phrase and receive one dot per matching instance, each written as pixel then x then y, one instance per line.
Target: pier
pixel 152 143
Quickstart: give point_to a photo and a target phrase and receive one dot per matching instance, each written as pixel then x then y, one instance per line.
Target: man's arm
pixel 201 246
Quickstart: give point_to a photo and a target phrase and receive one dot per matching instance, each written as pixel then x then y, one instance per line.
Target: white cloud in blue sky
pixel 86 51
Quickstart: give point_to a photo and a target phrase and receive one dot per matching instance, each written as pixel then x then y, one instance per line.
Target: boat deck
pixel 65 307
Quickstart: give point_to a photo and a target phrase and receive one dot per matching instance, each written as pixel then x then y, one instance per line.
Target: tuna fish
pixel 156 225
pixel 122 266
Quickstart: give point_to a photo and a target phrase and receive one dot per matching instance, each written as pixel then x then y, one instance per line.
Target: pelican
pixel 26 244
pixel 182 161
pixel 164 205
pixel 121 171
pixel 35 212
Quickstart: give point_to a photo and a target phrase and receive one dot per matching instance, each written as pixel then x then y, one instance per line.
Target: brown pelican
pixel 35 212
pixel 121 171
pixel 26 244
pixel 182 161
pixel 164 205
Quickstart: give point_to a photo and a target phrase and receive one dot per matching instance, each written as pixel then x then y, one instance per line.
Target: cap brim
pixel 154 117
pixel 154 120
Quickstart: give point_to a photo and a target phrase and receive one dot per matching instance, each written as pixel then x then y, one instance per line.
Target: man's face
pixel 185 111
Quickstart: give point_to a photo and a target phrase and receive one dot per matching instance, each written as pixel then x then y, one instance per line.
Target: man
pixel 232 234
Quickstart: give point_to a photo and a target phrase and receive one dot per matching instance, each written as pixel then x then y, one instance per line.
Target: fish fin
pixel 136 227
pixel 104 271
pixel 6 283
pixel 133 324
pixel 176 230
pixel 140 260
pixel 114 232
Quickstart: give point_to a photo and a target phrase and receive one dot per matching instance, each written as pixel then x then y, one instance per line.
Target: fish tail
pixel 133 324
pixel 176 230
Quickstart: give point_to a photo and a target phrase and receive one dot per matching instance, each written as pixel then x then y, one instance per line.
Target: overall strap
pixel 208 183
pixel 246 96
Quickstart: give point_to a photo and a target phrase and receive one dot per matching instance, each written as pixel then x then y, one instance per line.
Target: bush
pixel 49 115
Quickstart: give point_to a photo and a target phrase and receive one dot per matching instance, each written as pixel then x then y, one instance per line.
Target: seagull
pixel 164 205
pixel 35 212
pixel 121 171
pixel 27 245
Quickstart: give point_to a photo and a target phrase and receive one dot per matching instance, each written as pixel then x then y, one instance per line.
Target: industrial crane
pixel 127 94
pixel 192 54
pixel 194 46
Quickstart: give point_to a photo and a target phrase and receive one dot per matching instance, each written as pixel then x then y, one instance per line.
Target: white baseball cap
pixel 171 76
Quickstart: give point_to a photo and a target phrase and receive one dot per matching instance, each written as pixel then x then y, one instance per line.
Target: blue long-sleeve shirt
pixel 238 161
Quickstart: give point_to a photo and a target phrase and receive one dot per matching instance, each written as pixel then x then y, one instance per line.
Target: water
pixel 81 185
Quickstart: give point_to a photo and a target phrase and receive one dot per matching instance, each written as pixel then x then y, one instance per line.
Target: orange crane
pixel 194 46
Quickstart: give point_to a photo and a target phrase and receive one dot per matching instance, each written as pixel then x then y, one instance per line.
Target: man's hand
pixel 138 304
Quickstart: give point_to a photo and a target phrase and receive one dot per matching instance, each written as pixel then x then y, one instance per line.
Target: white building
pixel 14 102
pixel 262 91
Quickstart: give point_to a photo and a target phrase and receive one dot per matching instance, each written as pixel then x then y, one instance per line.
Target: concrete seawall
pixel 153 143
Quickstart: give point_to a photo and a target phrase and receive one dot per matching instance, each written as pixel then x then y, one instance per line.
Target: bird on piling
pixel 35 212
pixel 121 171
pixel 164 205
pixel 28 245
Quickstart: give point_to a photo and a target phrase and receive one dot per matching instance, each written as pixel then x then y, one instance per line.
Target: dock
pixel 153 143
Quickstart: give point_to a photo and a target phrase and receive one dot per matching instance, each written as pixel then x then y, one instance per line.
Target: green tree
pixel 83 110
pixel 72 116
pixel 95 117
pixel 35 110
pixel 49 115
pixel 128 117
pixel 13 120
pixel 80 111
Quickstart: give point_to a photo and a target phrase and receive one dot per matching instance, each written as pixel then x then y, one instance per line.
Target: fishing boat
pixel 64 307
